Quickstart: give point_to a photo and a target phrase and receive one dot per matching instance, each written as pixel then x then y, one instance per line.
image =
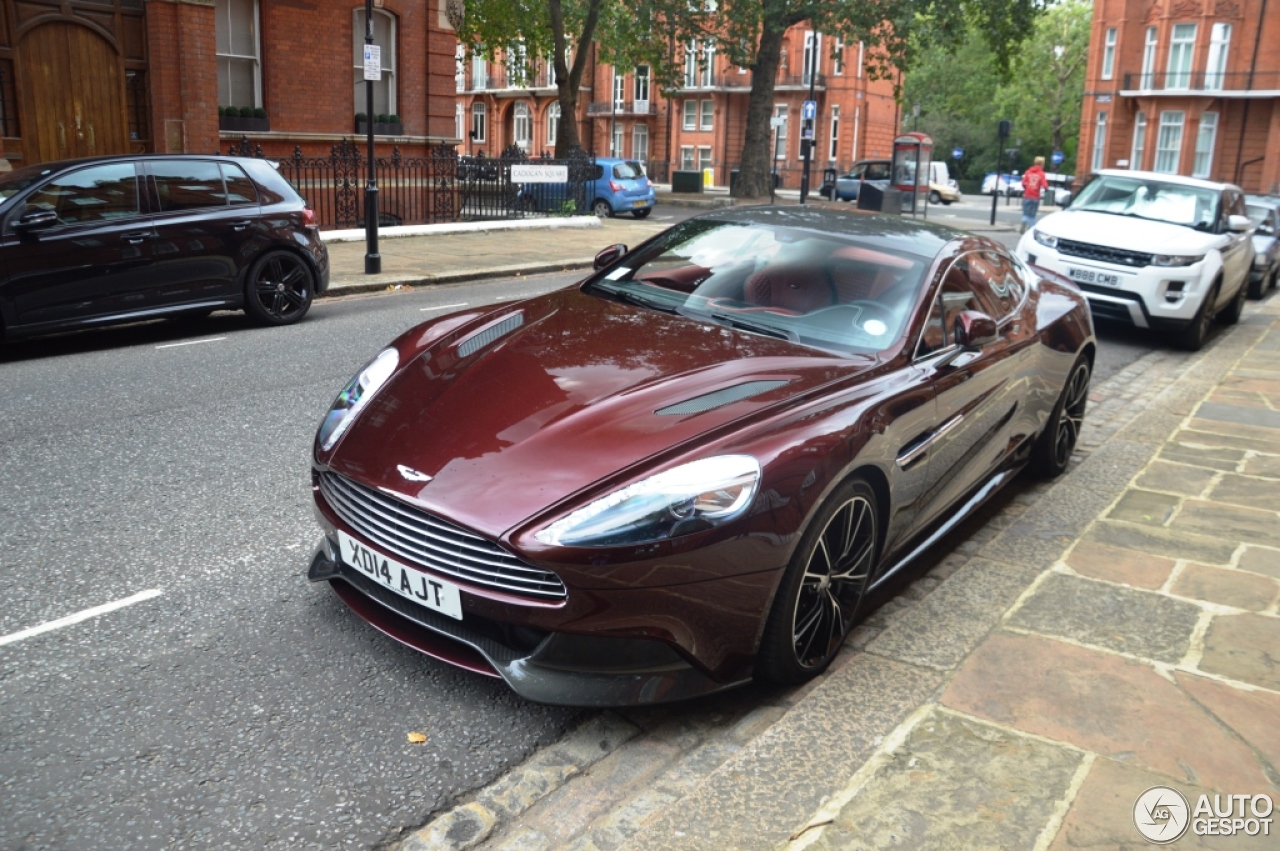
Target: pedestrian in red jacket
pixel 1033 185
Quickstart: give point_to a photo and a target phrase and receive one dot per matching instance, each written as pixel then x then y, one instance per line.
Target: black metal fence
pixel 438 187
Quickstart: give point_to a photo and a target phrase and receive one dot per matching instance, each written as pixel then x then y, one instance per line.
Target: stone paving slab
pixel 1244 647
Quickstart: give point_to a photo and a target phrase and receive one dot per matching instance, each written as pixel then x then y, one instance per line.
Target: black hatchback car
pixel 121 239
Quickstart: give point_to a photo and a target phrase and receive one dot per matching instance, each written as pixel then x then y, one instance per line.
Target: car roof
pixel 61 165
pixel 1272 201
pixel 1167 178
pixel 898 233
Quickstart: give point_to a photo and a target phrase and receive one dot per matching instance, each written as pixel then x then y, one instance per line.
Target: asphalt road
pixel 237 706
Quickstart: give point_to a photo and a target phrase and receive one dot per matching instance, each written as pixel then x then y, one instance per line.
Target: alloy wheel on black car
pixel 280 288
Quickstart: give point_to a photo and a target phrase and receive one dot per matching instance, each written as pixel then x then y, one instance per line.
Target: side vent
pixel 484 337
pixel 719 398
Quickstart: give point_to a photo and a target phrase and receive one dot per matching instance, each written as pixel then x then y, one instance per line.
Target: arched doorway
pixel 73 98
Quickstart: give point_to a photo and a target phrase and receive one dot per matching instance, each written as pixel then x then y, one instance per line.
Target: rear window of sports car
pixel 813 287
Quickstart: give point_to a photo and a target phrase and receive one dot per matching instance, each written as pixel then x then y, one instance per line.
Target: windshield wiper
pixel 733 320
pixel 643 301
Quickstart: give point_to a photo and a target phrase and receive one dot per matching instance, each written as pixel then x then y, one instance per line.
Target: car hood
pixel 1127 232
pixel 523 409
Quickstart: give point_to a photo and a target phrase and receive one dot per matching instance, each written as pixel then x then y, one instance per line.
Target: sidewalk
pixel 445 258
pixel 1091 638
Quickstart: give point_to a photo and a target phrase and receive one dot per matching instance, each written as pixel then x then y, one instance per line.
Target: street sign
pixel 1057 157
pixel 778 121
pixel 957 153
pixel 809 110
pixel 372 62
pixel 539 174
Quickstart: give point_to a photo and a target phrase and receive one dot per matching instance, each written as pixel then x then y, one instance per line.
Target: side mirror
pixel 1239 224
pixel 974 330
pixel 609 256
pixel 36 220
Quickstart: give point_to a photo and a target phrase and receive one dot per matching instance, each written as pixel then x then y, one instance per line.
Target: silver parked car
pixel 1264 210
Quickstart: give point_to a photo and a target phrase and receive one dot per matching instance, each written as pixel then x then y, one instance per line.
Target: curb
pixel 400 231
pixel 384 283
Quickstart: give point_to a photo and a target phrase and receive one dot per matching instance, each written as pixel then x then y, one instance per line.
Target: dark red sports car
pixel 690 469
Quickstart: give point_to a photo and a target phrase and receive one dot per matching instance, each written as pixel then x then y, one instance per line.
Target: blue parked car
pixel 620 186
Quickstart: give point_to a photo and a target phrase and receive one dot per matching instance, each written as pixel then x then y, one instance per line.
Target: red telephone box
pixel 912 156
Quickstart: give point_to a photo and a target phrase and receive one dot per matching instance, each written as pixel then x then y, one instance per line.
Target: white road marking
pixel 191 343
pixel 50 626
pixel 444 306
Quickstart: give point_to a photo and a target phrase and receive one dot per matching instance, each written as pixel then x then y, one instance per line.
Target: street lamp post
pixel 807 144
pixel 372 259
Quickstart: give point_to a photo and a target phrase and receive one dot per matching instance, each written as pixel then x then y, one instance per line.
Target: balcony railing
pixel 1203 81
pixel 734 80
pixel 627 107
pixel 500 79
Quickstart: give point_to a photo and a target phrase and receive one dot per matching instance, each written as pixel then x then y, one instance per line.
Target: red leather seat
pixel 794 290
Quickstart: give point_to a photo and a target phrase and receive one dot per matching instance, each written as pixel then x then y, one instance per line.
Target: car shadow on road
pixel 157 332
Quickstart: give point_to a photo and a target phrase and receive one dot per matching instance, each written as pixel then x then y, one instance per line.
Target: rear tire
pixel 1053 449
pixel 279 289
pixel 642 214
pixel 1258 288
pixel 1231 314
pixel 601 209
pixel 822 589
pixel 1192 338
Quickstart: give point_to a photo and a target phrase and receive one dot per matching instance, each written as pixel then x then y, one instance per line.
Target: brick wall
pixel 184 84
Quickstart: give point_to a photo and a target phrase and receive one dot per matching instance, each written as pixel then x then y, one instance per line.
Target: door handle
pixel 137 237
pixel 912 452
pixel 241 224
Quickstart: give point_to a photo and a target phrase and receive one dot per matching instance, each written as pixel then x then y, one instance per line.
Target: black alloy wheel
pixel 1052 452
pixel 280 288
pixel 822 589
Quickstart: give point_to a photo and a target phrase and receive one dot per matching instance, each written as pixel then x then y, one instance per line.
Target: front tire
pixel 279 289
pixel 822 588
pixel 935 197
pixel 601 209
pixel 1231 314
pixel 1053 449
pixel 1192 338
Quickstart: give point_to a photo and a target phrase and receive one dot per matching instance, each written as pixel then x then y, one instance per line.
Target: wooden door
pixel 73 94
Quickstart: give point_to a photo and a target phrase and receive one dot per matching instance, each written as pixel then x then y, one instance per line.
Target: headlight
pixel 1045 239
pixel 686 499
pixel 1176 259
pixel 356 395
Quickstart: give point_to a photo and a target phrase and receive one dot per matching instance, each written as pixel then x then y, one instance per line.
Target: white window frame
pixel 691 64
pixel 707 115
pixel 479 122
pixel 640 144
pixel 553 122
pixel 460 120
pixel 835 132
pixel 1099 159
pixel 619 137
pixel 223 39
pixel 1139 149
pixel 460 67
pixel 861 47
pixel 1109 54
pixel 641 88
pixel 479 72
pixel 521 125
pixel 686 158
pixel 619 89
pixel 517 65
pixel 837 60
pixel 1182 49
pixel 706 76
pixel 780 133
pixel 1149 58
pixel 812 63
pixel 388 81
pixel 1169 144
pixel 690 114
pixel 1206 140
pixel 1215 71
pixel 704 158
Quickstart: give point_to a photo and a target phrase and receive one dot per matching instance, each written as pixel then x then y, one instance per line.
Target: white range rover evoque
pixel 1156 250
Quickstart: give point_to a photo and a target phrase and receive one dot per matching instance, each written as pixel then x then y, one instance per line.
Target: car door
pixel 92 261
pixel 205 229
pixel 977 392
pixel 847 186
pixel 1237 253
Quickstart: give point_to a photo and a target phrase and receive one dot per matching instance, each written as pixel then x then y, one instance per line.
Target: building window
pixel 686 158
pixel 384 35
pixel 478 122
pixel 1139 141
pixel 619 91
pixel 835 132
pixel 615 143
pixel 837 61
pixel 690 115
pixel 1219 44
pixel 1169 142
pixel 812 46
pixel 479 73
pixel 704 158
pixel 640 144
pixel 1205 139
pixel 642 88
pixel 780 132
pixel 459 120
pixel 691 64
pixel 1100 142
pixel 708 63
pixel 1149 58
pixel 239 68
pixel 553 122
pixel 1180 49
pixel 517 65
pixel 707 120
pixel 521 129
pixel 1109 55
pixel 460 67
pixel 137 101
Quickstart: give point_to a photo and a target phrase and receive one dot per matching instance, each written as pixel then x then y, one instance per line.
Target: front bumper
pixel 1164 297
pixel 548 667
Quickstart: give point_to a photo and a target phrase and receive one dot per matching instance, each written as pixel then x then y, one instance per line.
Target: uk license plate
pixel 412 584
pixel 1089 276
pixel 639 203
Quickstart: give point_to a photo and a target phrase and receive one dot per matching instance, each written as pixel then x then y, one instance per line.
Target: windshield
pixel 16 181
pixel 811 287
pixel 1156 200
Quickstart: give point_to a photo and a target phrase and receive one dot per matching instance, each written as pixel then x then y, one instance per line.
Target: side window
pixel 997 287
pixel 188 184
pixel 240 189
pixel 599 173
pixel 96 194
pixel 934 336
pixel 878 171
pixel 954 296
pixel 857 171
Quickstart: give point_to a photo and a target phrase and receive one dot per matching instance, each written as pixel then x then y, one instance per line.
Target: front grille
pixel 403 530
pixel 1118 256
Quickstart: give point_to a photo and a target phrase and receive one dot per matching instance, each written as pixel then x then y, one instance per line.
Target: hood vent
pixel 718 399
pixel 484 337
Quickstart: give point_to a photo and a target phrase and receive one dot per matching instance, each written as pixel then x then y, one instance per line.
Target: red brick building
pixel 89 77
pixel 1185 86
pixel 699 126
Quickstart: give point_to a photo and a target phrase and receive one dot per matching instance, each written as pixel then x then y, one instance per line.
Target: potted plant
pixel 243 119
pixel 383 124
